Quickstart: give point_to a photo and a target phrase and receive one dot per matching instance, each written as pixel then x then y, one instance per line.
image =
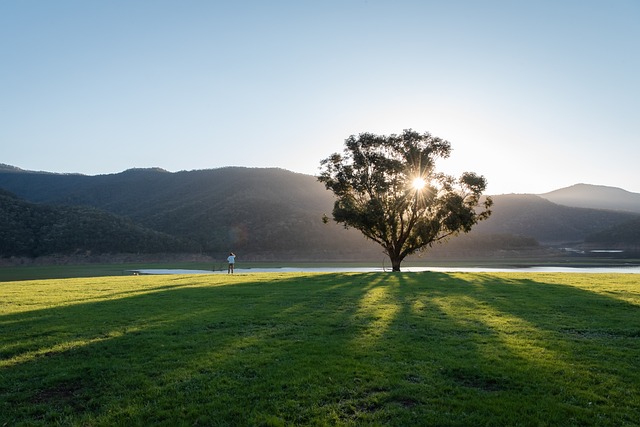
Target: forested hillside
pixel 547 222
pixel 625 236
pixel 260 213
pixel 32 230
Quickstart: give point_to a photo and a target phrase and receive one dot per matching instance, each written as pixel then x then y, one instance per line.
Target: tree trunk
pixel 395 263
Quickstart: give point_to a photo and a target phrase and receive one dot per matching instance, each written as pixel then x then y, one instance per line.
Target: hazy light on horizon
pixel 535 96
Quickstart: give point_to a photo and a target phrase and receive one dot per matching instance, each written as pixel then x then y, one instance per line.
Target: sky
pixel 534 95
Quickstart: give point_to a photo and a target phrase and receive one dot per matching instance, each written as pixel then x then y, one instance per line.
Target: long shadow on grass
pixel 400 349
pixel 204 353
pixel 518 348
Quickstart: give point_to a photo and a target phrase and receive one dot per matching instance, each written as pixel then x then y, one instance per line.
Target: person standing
pixel 231 259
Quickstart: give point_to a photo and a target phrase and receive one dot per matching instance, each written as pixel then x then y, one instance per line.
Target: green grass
pixel 32 272
pixel 463 349
pixel 65 271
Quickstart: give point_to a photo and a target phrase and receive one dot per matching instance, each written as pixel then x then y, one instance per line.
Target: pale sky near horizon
pixel 534 95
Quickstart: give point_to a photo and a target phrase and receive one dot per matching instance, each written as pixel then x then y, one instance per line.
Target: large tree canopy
pixel 388 188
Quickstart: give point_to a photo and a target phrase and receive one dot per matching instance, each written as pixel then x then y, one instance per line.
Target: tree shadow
pixel 211 340
pixel 490 336
pixel 340 348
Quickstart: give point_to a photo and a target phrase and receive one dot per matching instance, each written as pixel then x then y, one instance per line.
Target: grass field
pixel 457 349
pixel 66 271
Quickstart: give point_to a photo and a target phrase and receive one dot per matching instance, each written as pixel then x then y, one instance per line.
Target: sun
pixel 418 183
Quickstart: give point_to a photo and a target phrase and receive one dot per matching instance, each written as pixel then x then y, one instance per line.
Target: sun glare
pixel 418 183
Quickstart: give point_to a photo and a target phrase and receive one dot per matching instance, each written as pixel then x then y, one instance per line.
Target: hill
pixel 595 197
pixel 624 236
pixel 32 230
pixel 549 223
pixel 267 214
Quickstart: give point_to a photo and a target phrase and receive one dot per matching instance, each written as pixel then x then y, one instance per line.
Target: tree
pixel 388 189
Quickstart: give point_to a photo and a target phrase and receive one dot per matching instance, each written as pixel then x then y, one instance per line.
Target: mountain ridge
pixel 274 212
pixel 262 211
pixel 595 196
pixel 572 192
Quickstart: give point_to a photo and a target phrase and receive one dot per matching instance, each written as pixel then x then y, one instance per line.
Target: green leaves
pixel 373 180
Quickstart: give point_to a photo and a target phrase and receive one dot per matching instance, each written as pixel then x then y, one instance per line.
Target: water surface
pixel 540 269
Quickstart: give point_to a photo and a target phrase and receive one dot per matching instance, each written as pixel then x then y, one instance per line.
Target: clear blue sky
pixel 535 95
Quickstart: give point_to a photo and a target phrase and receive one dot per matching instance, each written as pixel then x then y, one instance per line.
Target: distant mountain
pixel 595 197
pixel 265 212
pixel 32 230
pixel 549 223
pixel 625 235
pixel 9 168
pixel 276 214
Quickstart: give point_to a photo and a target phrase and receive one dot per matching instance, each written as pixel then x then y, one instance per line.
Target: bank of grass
pixel 65 271
pixel 322 349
